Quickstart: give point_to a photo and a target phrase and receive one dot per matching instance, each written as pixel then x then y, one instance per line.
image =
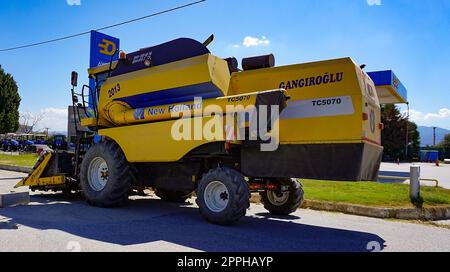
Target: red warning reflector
pixel 122 55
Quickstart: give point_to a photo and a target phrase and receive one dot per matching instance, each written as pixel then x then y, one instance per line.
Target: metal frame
pixel 407 178
pixel 35 180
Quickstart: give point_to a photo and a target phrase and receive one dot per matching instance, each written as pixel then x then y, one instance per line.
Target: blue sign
pixel 388 78
pixel 103 49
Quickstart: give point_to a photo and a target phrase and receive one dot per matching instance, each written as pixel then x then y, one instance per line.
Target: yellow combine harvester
pixel 149 128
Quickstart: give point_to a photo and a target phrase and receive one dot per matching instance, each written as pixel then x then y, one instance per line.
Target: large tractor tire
pixel 106 176
pixel 284 203
pixel 223 196
pixel 173 196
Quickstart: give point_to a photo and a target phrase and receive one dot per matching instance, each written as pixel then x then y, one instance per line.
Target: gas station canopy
pixel 389 88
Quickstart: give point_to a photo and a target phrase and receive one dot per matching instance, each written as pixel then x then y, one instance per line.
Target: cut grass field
pixel 372 193
pixel 25 160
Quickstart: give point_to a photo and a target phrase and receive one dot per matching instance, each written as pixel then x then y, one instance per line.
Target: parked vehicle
pixel 328 121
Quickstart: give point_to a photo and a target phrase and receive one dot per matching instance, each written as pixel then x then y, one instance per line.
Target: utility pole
pixel 407 132
pixel 434 136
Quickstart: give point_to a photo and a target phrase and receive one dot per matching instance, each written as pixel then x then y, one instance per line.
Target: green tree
pixel 414 140
pixel 445 147
pixel 394 135
pixel 9 103
pixel 446 142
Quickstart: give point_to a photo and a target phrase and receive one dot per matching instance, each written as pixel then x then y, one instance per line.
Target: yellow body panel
pixel 120 114
pixel 35 179
pixel 92 122
pixel 308 119
pixel 50 181
pixel 152 142
pixel 323 126
pixel 197 70
pixel 371 129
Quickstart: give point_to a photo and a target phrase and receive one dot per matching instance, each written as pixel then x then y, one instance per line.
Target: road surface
pixel 428 170
pixel 51 223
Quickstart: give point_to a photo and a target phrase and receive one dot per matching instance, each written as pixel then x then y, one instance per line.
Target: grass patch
pixel 25 160
pixel 372 193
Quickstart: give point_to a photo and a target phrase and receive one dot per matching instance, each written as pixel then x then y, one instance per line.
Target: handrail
pixel 407 178
pixel 429 179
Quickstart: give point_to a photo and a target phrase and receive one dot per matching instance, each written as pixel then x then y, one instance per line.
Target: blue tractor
pixel 40 139
pixel 11 146
pixel 4 144
pixel 25 141
pixel 59 142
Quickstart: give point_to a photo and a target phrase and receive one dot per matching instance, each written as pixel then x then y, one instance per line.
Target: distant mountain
pixel 426 135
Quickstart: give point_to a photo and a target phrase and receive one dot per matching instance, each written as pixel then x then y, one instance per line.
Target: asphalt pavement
pixel 427 170
pixel 52 223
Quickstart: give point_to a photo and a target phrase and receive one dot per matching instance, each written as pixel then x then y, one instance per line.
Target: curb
pixel 14 199
pixel 26 170
pixel 423 214
pixel 426 214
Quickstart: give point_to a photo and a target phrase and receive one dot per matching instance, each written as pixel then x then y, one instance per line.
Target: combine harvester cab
pixel 324 117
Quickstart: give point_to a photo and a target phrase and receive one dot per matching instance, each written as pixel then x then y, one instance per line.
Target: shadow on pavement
pixel 149 220
pixel 401 176
pixel 268 215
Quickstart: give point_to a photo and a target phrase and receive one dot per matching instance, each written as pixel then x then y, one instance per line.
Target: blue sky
pixel 411 37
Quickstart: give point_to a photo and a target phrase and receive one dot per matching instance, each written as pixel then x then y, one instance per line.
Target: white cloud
pixel 250 41
pixel 374 2
pixel 53 118
pixel 418 116
pixel 73 2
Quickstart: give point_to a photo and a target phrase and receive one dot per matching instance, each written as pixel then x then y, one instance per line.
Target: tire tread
pixel 120 185
pixel 294 203
pixel 238 186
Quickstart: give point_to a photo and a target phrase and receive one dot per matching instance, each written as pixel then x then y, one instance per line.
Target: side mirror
pixel 74 80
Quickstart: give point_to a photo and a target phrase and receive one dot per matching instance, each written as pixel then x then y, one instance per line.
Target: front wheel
pixel 223 196
pixel 285 200
pixel 106 176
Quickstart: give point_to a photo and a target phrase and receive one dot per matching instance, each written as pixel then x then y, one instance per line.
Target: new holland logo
pixel 107 47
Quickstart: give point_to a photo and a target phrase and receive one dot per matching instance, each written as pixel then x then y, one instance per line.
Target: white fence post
pixel 414 183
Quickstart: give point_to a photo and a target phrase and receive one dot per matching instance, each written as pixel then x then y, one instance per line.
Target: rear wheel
pixel 173 196
pixel 223 196
pixel 284 201
pixel 106 176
